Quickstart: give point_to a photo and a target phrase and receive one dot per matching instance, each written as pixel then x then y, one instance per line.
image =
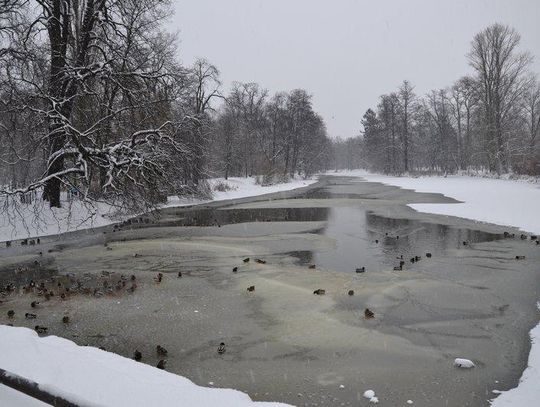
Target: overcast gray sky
pixel 345 52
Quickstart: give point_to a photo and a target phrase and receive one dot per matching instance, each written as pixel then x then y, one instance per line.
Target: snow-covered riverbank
pixel 499 201
pixel 92 377
pixel 40 220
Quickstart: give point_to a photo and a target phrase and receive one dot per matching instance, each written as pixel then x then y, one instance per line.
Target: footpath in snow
pixel 498 201
pixel 40 220
pixel 91 377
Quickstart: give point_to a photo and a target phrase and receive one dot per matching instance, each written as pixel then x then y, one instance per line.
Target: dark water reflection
pixel 212 217
pixel 363 239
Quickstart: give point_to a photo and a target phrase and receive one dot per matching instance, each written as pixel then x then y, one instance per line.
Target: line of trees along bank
pixel 489 120
pixel 93 99
pixel 276 137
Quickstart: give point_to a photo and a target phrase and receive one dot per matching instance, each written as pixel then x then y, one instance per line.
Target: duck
pixel 398 268
pixel 351 292
pixel 132 288
pixel 235 269
pixel 34 304
pixel 137 355
pixel 158 278
pixel 41 329
pixel 520 257
pixel 401 263
pixel 8 243
pixel 465 243
pixel 30 316
pixel 376 240
pixel 179 274
pixel 260 261
pixel 361 269
pixel 413 259
pixel 65 319
pixel 246 260
pixel 428 255
pixel 523 237
pixel 161 351
pixel 10 314
pixel 251 288
pixel 534 237
pixel 221 348
pixel 311 266
pixel 319 291
pixel 417 258
pixel 161 364
pixel 369 314
pixel 38 240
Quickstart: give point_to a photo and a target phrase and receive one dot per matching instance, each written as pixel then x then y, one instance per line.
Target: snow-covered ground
pixel 92 377
pixel 241 188
pixel 499 201
pixel 40 220
pixel 13 398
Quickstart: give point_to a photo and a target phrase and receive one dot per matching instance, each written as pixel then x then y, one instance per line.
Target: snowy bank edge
pixel 54 220
pixel 121 381
pixel 526 393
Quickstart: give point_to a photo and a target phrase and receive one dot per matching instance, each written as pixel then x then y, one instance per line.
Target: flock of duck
pixel 369 314
pixel 68 285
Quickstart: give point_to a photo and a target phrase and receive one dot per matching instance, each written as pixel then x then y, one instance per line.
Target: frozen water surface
pixel 282 342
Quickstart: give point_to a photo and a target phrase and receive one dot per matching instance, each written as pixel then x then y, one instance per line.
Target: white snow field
pixel 498 201
pixel 40 220
pixel 92 377
pixel 12 398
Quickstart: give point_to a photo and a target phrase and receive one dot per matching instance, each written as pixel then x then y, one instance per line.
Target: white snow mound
pixel 369 394
pixel 464 363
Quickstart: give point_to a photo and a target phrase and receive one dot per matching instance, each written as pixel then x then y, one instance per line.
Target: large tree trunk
pixel 51 192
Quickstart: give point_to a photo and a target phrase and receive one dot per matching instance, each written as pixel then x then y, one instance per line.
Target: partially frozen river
pixel 283 343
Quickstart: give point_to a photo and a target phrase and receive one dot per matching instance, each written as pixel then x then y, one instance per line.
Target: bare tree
pixel 500 69
pixel 110 79
pixel 205 83
pixel 531 108
pixel 406 98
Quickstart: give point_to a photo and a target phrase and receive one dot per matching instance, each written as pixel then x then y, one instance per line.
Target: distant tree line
pixel 276 137
pixel 488 121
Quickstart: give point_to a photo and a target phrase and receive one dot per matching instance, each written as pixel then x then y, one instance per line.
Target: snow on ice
pixel 464 363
